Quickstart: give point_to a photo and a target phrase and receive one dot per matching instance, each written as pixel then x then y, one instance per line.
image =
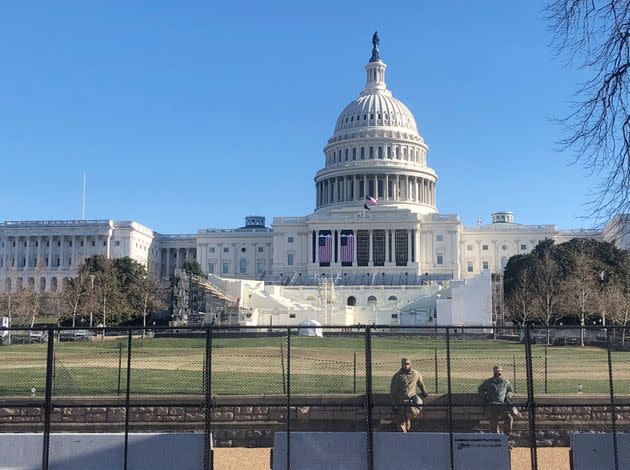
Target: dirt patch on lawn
pixel 229 458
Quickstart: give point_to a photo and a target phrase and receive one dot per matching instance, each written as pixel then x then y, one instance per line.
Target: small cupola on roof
pixel 503 217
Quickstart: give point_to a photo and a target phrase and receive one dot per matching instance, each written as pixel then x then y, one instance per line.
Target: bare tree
pixel 596 35
pixel 151 297
pixel 546 290
pixel 28 305
pixel 580 289
pixel 75 293
pixel 521 296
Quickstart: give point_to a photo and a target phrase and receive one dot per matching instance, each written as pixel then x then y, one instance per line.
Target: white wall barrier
pixel 410 451
pixel 103 451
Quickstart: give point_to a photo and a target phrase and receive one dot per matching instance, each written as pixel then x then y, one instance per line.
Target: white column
pixel 27 253
pixel 61 250
pixel 386 247
pixel 51 241
pixel 386 188
pixel 168 262
pixel 408 247
pixel 365 186
pixel 375 195
pixel 354 249
pixel 356 187
pixel 370 259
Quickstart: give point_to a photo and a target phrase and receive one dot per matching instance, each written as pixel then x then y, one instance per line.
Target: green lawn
pixel 318 365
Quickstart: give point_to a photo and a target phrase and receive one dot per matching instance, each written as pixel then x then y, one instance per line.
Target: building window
pixel 211 249
pixel 93 243
pixel 117 243
pixel 484 247
pixel 394 315
pixel 291 315
pixel 226 267
pixel 440 257
pixel 469 247
pixel 226 249
pixel 211 268
pixel 81 244
pixel 290 240
pixel 260 249
pixel 243 250
pixel 290 259
pixel 504 247
pixel 242 266
pixel 523 247
pixel 470 266
pixel 485 265
pixel 439 237
pixel 260 266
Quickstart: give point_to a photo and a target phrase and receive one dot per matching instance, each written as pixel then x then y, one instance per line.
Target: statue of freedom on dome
pixel 375 42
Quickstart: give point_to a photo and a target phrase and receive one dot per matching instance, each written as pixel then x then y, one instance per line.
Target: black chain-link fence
pixel 339 381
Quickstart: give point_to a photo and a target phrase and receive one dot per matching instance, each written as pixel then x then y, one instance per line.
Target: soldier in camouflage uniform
pixel 403 393
pixel 496 393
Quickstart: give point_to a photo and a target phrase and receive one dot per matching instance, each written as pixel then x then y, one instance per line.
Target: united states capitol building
pixel 350 261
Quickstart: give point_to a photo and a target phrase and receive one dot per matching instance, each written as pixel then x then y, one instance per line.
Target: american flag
pixel 347 247
pixel 325 247
pixel 369 200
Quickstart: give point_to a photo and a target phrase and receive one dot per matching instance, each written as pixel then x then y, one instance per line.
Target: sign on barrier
pixel 421 450
pixel 96 451
pixel 595 451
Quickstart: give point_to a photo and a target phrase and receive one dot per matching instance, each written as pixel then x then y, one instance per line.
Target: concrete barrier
pixel 103 451
pixel 348 451
pixel 595 451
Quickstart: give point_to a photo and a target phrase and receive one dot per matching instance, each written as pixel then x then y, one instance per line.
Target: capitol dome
pixel 376 152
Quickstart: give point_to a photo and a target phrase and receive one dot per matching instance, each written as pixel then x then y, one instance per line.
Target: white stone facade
pixel 375 152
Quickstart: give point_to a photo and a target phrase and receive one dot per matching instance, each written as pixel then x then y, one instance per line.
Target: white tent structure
pixel 310 328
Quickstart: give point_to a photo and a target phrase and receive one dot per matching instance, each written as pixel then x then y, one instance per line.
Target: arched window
pixel 346 154
pixel 242 266
pixel 354 153
pixel 398 153
pixel 42 284
pixel 392 298
pixel 310 297
pixel 352 301
pixel 8 284
pixel 371 301
pixel 380 153
pixel 404 153
pixel 371 152
pixel 53 284
pixel 362 153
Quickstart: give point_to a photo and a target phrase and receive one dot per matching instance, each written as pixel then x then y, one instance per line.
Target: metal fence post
pixel 354 376
pixel 284 382
pixel 368 395
pixel 208 455
pixel 546 382
pixel 436 371
pixel 127 397
pixel 514 370
pixel 613 408
pixel 288 398
pixel 48 398
pixel 119 366
pixel 531 406
pixel 450 398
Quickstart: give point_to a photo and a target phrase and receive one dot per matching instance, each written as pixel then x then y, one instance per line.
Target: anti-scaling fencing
pixel 240 385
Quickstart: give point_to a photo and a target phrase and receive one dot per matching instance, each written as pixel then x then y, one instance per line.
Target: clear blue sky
pixel 187 115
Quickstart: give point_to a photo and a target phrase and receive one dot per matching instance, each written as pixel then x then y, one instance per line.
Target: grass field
pixel 318 365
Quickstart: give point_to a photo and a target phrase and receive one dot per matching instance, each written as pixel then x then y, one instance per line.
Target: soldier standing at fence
pixel 496 393
pixel 404 396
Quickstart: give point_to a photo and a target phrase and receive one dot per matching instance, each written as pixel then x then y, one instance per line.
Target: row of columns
pixel 340 155
pixel 390 238
pixel 174 258
pixel 41 284
pixel 403 188
pixel 43 251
